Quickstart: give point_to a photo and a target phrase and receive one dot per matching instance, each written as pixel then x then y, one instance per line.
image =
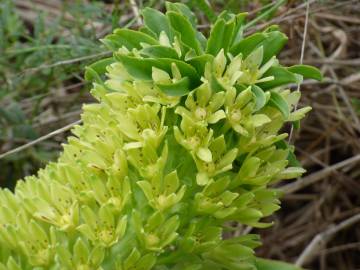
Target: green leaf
pixel 80 251
pixel 138 67
pixel 147 262
pixel 92 76
pixel 273 44
pixel 248 44
pixel 132 39
pixel 307 71
pixel 97 255
pixel 238 30
pixel 141 68
pixel 99 67
pixel 109 43
pixel 147 31
pixel 277 101
pixel 184 10
pixel 202 39
pixel 296 124
pixel 214 43
pixel 255 57
pixel 199 62
pixel 204 154
pixel 186 70
pixel 265 264
pixel 281 77
pixel 156 22
pixel 216 84
pixel 293 162
pixel 158 51
pixel 187 32
pixel 132 258
pixel 220 36
pixel 205 7
pixel 272 28
pixel 179 88
pixel 260 98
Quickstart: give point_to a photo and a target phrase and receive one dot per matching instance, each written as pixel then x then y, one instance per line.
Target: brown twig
pixel 322 238
pixel 317 176
pixel 34 142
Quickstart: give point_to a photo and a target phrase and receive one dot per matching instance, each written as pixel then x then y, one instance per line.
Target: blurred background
pixel 45 45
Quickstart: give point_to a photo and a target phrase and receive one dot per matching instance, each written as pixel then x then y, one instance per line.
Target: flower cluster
pixel 184 142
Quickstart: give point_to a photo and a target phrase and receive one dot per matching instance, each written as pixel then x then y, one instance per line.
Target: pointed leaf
pixel 131 39
pixel 137 67
pixel 147 262
pixel 177 89
pixel 81 252
pixel 248 44
pixel 141 68
pixel 158 51
pixel 204 154
pixel 260 119
pixel 293 162
pixel 281 77
pixel 156 22
pixel 260 99
pixel 182 25
pixel 182 9
pixel 220 36
pixel 239 26
pixel 277 101
pixel 199 62
pixel 205 7
pixel 99 67
pixel 307 71
pixel 255 58
pixel 273 44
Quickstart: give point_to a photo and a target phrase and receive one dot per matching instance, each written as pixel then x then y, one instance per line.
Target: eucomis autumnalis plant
pixel 184 142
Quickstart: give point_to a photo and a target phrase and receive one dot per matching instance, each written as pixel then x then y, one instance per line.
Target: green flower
pixel 54 204
pixel 36 244
pixel 216 161
pixel 240 112
pixel 219 203
pixel 201 236
pixel 195 138
pixel 206 108
pixel 104 227
pixel 157 232
pixel 80 257
pixel 163 193
pixel 150 164
pixel 136 260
